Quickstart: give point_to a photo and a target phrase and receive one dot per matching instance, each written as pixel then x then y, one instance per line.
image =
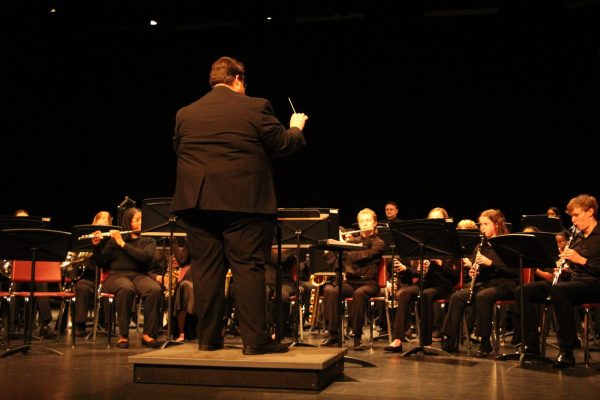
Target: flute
pixel 103 234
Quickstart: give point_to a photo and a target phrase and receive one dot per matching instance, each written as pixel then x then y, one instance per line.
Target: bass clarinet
pixel 563 262
pixel 475 267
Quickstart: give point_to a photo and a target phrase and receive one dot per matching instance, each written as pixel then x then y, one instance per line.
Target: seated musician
pixel 494 281
pixel 289 260
pixel 578 279
pixel 128 258
pixel 439 278
pixel 183 294
pixel 85 287
pixel 361 268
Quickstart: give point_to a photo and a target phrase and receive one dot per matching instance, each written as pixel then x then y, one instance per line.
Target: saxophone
pixel 227 283
pixel 317 279
pixel 171 285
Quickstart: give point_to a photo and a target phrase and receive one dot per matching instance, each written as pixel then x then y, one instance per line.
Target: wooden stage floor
pixel 90 371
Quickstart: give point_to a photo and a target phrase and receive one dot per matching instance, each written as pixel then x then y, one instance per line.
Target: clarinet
pixel 563 262
pixel 476 267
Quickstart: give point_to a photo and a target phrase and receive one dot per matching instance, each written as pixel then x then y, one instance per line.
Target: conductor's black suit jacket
pixel 224 144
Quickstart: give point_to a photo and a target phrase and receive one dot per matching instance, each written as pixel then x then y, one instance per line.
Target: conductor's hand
pixel 297 120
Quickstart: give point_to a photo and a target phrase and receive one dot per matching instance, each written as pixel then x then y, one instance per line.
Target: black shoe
pixel 123 345
pixel 47 333
pixel 357 344
pixel 153 344
pixel 393 349
pixel 449 345
pixel 485 348
pixel 565 359
pixel 269 347
pixel 211 347
pixel 330 341
pixel 533 350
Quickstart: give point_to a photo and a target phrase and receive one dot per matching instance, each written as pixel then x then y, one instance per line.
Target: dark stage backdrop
pixel 467 112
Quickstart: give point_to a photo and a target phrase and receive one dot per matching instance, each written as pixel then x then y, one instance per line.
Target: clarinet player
pixel 580 279
pixel 494 281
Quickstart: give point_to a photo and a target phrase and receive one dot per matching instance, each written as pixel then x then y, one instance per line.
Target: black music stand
pixel 339 247
pixel 31 244
pixel 305 227
pixel 157 221
pixel 519 250
pixel 420 239
pixel 78 244
pixel 543 223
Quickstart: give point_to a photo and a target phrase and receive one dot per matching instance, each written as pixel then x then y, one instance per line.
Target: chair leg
pixel 497 331
pixel 111 314
pixel 545 328
pixel 465 331
pixel 73 325
pixel 96 317
pixel 585 342
pixel 61 314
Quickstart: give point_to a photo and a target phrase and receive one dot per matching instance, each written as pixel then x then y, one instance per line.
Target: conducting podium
pixel 530 250
pixel 420 240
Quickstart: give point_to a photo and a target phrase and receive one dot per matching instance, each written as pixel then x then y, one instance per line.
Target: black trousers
pixel 565 297
pixel 404 296
pixel 125 286
pixel 483 299
pixel 84 293
pixel 219 241
pixel 288 290
pixel 360 294
pixel 533 294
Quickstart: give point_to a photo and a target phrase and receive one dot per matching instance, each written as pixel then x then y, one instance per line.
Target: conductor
pixel 225 195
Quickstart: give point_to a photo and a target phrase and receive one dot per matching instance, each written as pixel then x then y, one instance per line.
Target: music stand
pixel 339 247
pixel 32 244
pixel 157 221
pixel 420 239
pixel 13 222
pixel 306 227
pixel 543 223
pixel 79 245
pixel 518 250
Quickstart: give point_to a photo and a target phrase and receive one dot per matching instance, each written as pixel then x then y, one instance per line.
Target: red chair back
pixel 528 275
pixel 103 275
pixel 382 276
pixel 45 271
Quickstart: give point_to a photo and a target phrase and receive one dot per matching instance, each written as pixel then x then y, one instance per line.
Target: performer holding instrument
pixel 129 261
pixel 582 285
pixel 495 281
pixel 439 278
pixel 85 286
pixel 361 268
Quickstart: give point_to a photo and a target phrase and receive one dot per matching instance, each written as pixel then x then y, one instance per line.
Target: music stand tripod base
pixel 335 245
